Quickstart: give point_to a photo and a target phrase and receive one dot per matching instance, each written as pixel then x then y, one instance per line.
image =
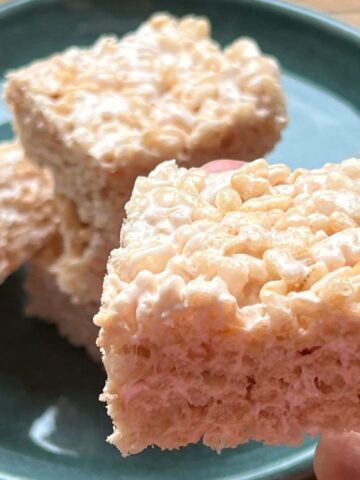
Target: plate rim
pixel 312 17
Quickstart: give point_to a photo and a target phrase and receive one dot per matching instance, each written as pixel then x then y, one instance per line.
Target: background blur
pixel 345 10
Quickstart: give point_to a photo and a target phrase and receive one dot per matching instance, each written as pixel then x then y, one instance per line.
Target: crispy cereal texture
pixel 99 117
pixel 27 215
pixel 230 312
pixel 81 268
pixel 46 301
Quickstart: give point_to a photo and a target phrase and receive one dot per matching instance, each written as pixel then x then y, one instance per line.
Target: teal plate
pixel 51 423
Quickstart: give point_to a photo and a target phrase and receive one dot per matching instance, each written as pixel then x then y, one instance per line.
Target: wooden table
pixel 345 10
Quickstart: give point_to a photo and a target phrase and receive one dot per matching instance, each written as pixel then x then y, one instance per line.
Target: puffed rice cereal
pixel 27 214
pixel 231 312
pixel 46 301
pixel 100 117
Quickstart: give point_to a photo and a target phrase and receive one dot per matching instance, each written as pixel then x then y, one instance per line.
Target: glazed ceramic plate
pixel 51 423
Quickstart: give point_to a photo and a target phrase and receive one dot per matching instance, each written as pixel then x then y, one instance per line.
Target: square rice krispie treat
pixel 81 267
pixel 27 213
pixel 46 301
pixel 101 116
pixel 29 230
pixel 231 310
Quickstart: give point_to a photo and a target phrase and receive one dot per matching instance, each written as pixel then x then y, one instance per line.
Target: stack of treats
pixel 230 307
pixel 90 121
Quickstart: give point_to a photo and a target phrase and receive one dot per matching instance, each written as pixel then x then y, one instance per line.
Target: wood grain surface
pixel 345 10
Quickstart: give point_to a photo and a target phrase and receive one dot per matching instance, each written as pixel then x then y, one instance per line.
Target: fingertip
pixel 337 457
pixel 222 165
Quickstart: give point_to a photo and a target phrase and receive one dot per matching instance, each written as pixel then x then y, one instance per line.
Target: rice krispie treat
pixel 27 215
pixel 99 117
pixel 46 301
pixel 81 267
pixel 230 312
